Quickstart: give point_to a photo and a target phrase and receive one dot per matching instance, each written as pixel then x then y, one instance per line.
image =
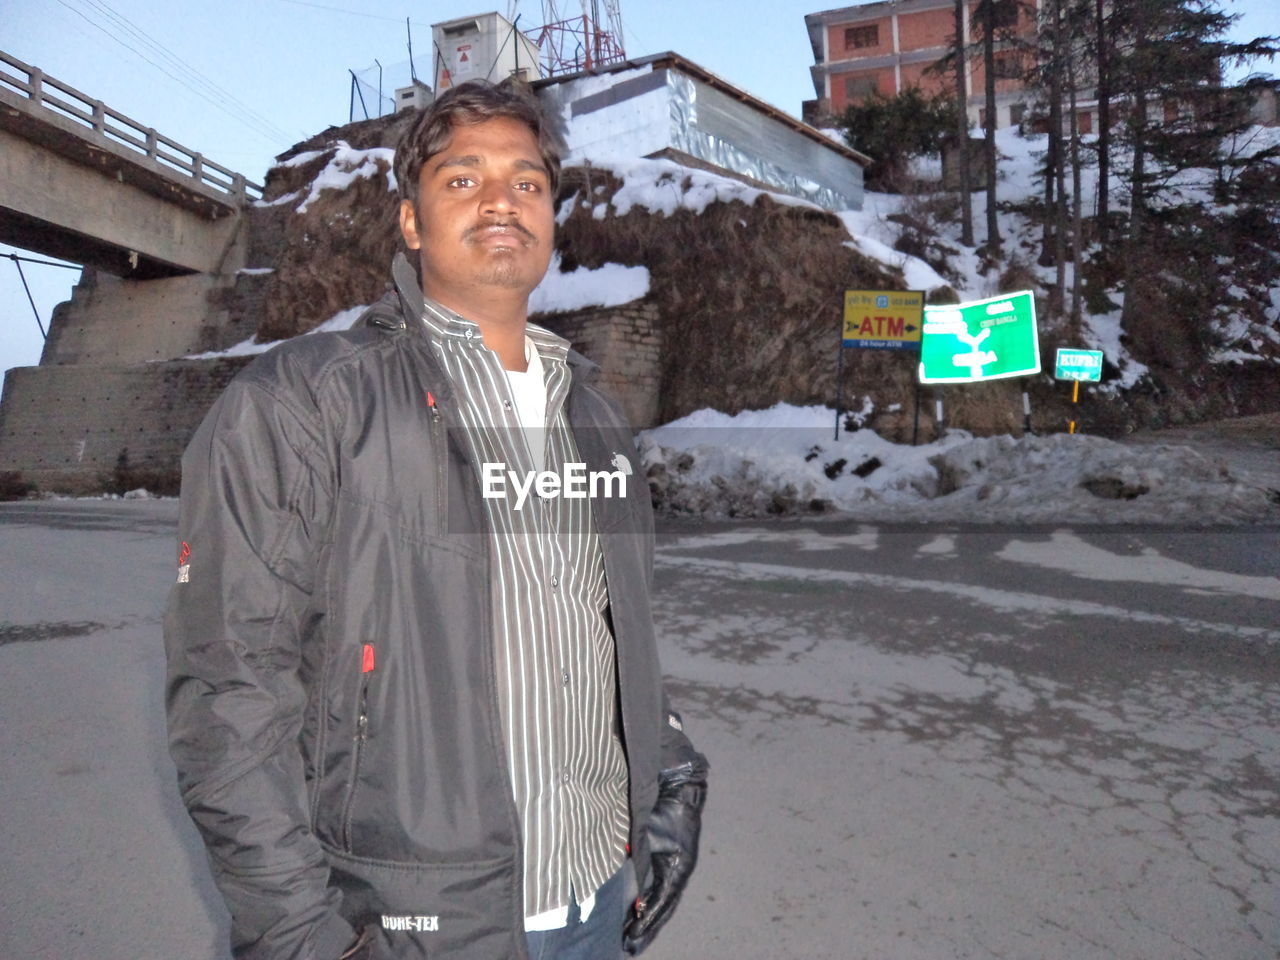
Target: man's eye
pixel 528 186
pixel 461 182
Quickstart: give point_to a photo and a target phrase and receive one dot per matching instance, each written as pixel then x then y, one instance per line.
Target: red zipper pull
pixel 367 662
pixel 431 402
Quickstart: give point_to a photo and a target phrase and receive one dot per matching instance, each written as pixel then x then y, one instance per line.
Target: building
pixel 666 107
pixel 485 46
pixel 891 45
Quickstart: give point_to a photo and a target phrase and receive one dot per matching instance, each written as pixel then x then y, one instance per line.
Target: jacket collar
pixel 411 307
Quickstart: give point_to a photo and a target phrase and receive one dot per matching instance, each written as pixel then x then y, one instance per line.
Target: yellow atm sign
pixel 883 319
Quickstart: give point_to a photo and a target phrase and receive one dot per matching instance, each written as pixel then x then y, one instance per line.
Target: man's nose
pixel 497 197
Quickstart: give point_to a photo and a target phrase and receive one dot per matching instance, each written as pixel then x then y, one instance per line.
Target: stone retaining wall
pixel 627 344
pixel 68 429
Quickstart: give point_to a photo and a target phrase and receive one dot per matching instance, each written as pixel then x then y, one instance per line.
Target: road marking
pixel 1005 601
pixel 941 545
pixel 807 540
pixel 1071 554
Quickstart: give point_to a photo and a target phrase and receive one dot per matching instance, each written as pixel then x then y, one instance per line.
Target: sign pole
pixel 839 390
pixel 939 418
pixel 915 423
pixel 1026 413
pixel 1075 365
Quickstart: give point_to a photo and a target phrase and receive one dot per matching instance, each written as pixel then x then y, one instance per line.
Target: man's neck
pixel 501 317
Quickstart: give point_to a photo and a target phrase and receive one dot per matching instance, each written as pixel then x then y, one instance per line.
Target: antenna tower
pixel 591 39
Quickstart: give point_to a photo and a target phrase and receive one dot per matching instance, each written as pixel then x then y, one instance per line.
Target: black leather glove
pixel 673 830
pixel 362 949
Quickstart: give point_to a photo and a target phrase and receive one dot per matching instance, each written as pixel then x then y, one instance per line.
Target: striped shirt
pixel 554 651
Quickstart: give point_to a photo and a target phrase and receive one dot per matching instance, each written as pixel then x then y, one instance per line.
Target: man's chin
pixel 506 270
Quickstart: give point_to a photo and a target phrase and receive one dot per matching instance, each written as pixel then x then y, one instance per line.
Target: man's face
pixel 484 216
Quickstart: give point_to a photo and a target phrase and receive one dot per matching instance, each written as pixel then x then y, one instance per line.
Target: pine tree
pixel 987 18
pixel 961 62
pixel 1167 72
pixel 891 130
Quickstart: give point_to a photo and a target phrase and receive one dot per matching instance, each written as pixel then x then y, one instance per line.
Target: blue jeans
pixel 600 938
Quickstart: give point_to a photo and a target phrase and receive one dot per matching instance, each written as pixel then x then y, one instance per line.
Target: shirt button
pixel 566 776
pixel 555 581
pixel 507 404
pixel 470 334
pixel 565 677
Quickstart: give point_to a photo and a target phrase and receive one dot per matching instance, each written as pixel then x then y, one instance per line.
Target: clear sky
pixel 243 80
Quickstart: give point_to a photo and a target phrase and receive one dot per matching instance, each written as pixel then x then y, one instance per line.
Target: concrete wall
pixel 65 427
pixel 114 321
pixel 627 344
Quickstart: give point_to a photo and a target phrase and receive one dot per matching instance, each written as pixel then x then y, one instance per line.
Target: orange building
pixel 890 45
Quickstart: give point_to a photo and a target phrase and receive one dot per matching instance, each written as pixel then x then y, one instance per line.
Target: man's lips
pixel 500 234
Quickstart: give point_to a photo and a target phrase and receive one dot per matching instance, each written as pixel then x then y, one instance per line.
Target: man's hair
pixel 472 102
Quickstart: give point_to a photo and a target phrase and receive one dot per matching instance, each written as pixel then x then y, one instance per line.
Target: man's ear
pixel 409 226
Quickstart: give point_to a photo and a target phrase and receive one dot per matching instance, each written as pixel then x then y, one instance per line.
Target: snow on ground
pixel 784 461
pixel 342 320
pixel 348 165
pixel 663 187
pixel 609 285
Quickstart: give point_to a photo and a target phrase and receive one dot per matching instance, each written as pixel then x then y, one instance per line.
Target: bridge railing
pixel 114 126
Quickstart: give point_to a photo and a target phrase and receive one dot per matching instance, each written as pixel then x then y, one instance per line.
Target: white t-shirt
pixel 529 391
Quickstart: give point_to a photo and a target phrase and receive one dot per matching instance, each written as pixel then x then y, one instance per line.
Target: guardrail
pixel 66 101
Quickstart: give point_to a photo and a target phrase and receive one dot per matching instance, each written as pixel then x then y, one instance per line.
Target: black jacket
pixel 331 696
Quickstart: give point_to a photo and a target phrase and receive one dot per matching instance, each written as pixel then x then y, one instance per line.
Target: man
pixel 414 717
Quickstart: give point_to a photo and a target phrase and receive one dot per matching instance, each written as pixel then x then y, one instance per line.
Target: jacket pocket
pixel 368 662
pixel 457 910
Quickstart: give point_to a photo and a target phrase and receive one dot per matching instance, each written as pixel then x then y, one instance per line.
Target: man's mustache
pixel 513 225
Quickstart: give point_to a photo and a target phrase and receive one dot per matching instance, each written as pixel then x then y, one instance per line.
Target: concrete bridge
pixel 163 234
pixel 83 182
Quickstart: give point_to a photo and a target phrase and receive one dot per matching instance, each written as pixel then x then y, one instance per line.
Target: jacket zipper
pixel 367 663
pixel 441 455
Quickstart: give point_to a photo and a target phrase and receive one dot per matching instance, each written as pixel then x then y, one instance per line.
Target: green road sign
pixel 983 340
pixel 1077 364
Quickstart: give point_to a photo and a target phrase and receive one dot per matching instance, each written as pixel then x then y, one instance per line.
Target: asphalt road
pixel 950 743
pixel 927 743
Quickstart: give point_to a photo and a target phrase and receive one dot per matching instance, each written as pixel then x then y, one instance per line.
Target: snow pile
pixel 610 285
pixel 342 320
pixel 663 187
pixel 345 167
pixel 1244 339
pixel 917 274
pixel 783 461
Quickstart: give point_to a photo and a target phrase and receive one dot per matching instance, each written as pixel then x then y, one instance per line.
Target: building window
pixel 1007 68
pixel 859 87
pixel 855 38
